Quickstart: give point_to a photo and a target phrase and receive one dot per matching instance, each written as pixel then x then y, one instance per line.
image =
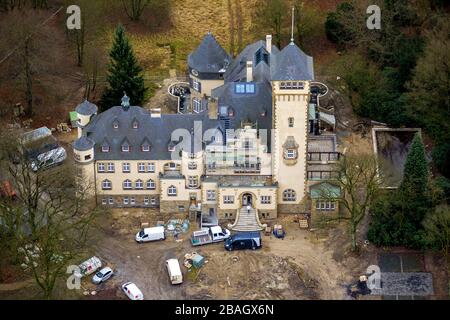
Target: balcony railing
pixel 323 175
pixel 324 156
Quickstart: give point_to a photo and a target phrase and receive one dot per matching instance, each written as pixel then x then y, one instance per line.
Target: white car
pixel 102 275
pixel 132 291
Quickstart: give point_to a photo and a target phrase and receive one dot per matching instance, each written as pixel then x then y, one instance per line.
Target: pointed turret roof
pixel 209 57
pixel 293 64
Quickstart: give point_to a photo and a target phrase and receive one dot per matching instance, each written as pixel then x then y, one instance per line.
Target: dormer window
pixel 245 88
pixel 145 147
pixel 126 148
pixel 135 124
pixel 105 148
pixel 171 146
pixel 116 124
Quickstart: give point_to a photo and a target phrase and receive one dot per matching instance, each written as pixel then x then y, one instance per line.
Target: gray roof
pixel 83 144
pixel 238 69
pixel 292 64
pixel 155 131
pixel 86 108
pixel 256 107
pixel 209 57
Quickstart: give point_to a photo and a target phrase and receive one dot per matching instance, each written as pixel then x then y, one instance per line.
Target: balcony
pixel 324 157
pixel 248 168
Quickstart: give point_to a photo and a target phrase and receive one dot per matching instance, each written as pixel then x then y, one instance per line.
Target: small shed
pixel 198 261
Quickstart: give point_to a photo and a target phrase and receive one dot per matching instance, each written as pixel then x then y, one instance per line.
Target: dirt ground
pixel 301 266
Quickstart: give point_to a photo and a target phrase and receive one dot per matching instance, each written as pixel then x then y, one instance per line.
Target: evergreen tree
pixel 124 74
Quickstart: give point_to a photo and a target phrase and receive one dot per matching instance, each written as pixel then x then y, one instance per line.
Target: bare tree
pixel 360 184
pixel 134 8
pixel 50 220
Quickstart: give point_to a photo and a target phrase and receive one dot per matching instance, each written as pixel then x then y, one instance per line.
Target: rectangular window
pixel 111 167
pixel 104 201
pixel 153 201
pixel 125 167
pixel 151 167
pixel 197 105
pixel 196 85
pixel 145 148
pixel 111 200
pixel 228 199
pixel 250 88
pixel 181 208
pixel 146 201
pixel 265 199
pixel 192 166
pixel 240 88
pixel 126 201
pixel 211 195
pixel 141 167
pixel 291 122
pixel 101 167
pixel 291 154
pixel 133 201
pixel 193 182
pixel 125 148
pixel 105 149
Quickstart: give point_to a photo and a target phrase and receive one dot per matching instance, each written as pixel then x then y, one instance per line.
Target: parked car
pixel 88 267
pixel 209 235
pixel 150 234
pixel 132 291
pixel 102 275
pixel 174 270
pixel 243 240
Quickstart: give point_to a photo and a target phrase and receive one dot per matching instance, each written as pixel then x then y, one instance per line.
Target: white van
pixel 150 234
pixel 173 268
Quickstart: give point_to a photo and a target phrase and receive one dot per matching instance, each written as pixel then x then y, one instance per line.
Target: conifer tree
pixel 124 74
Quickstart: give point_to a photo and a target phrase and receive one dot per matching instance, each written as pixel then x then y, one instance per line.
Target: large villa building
pixel 247 135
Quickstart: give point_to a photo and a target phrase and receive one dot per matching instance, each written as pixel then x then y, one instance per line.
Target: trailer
pixel 209 235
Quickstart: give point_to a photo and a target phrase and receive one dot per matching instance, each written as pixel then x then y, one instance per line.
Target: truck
pixel 209 235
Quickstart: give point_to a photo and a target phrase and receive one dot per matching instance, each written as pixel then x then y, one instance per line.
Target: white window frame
pixel 104 201
pixel 193 181
pixel 111 167
pixel 132 201
pixel 101 167
pixel 151 167
pixel 266 199
pixel 146 200
pixel 127 184
pixel 291 154
pixel 211 195
pixel 126 201
pixel 172 191
pixel 139 184
pixel 289 195
pixel 110 200
pixel 196 85
pixel 197 104
pixel 106 184
pixel 153 201
pixel 125 148
pixel 250 88
pixel 141 167
pixel 105 149
pixel 228 199
pixel 240 88
pixel 126 168
pixel 151 185
pixel 145 148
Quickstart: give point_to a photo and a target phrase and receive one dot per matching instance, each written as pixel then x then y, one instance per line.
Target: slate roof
pixel 292 64
pixel 256 107
pixel 237 70
pixel 209 57
pixel 156 131
pixel 86 108
pixel 83 144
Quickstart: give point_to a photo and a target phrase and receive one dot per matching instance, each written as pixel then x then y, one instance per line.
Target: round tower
pixel 85 111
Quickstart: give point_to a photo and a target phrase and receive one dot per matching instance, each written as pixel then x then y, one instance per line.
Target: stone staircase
pixel 246 221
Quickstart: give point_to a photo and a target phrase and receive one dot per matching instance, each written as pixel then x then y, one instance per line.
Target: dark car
pixel 243 240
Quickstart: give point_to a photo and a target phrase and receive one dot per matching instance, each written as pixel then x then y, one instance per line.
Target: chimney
pixel 155 113
pixel 249 71
pixel 269 43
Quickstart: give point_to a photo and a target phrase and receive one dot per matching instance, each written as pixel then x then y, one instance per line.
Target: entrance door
pixel 247 200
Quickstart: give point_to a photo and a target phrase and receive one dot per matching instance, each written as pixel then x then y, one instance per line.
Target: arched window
pixel 289 195
pixel 127 184
pixel 139 184
pixel 172 191
pixel 151 185
pixel 106 185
